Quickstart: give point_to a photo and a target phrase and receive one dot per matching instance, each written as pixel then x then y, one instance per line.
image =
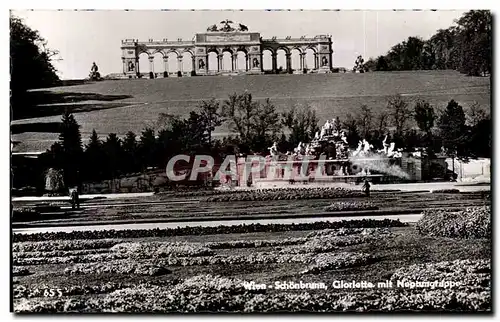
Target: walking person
pixel 366 187
pixel 75 200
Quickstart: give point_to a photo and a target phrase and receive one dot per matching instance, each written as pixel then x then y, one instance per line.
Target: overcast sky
pixel 82 37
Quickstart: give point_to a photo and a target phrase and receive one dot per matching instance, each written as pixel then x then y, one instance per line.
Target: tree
pixel 453 131
pixel 94 158
pixel 210 114
pixel 475 114
pixel 147 148
pixel 364 121
pixel 30 64
pixel 257 124
pixel 475 39
pixel 239 110
pixel 71 142
pixel 465 46
pixel 399 114
pixel 480 139
pixel 381 63
pixel 265 126
pixel 425 117
pixel 193 133
pixel 130 161
pixel 351 126
pixel 113 155
pixel 302 124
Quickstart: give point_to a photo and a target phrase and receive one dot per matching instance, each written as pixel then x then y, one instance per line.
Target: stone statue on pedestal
pixel 94 72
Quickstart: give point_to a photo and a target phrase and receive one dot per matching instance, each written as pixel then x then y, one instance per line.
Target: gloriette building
pixel 228 50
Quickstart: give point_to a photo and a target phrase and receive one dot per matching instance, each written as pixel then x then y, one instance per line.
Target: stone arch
pixel 213 50
pixel 299 48
pixel 295 58
pixel 212 59
pixel 241 59
pixel 187 50
pixel 227 60
pixel 281 53
pixel 313 48
pixel 310 58
pixel 227 50
pixel 154 52
pixel 158 65
pixel 171 50
pixel 143 60
pixel 284 48
pixel 187 61
pixel 267 59
pixel 172 65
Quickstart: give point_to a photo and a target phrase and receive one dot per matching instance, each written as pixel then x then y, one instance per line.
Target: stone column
pixel 247 59
pixel 233 61
pixel 151 64
pixel 165 64
pixel 219 62
pixel 288 62
pixel 124 65
pixel 302 62
pixel 179 62
pixel 193 68
pixel 274 62
pixel 316 63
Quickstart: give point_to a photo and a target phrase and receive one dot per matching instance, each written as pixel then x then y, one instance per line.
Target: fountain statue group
pixel 330 132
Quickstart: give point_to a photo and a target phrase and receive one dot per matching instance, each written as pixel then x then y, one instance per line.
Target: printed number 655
pixel 52 293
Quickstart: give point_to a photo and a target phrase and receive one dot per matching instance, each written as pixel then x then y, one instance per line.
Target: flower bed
pixel 327 243
pixel 446 191
pixel 349 231
pixel 150 268
pixel 473 222
pixel 183 231
pixel 20 271
pixel 255 243
pixel 63 245
pixel 469 273
pixel 58 253
pixel 325 262
pixel 287 194
pixel 89 258
pixel 208 293
pixel 161 249
pixel 350 205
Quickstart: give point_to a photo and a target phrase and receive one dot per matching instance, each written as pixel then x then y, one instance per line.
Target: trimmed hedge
pixel 199 230
pixel 286 194
pixel 350 205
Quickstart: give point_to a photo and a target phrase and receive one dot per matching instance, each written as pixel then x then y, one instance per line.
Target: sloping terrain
pixel 129 105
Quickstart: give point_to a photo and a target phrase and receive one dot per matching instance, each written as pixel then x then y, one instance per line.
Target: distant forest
pixel 466 47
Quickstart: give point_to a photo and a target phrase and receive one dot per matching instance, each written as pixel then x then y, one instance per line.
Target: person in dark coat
pixel 366 187
pixel 75 200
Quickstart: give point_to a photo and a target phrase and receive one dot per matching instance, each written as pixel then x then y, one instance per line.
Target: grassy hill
pixel 122 105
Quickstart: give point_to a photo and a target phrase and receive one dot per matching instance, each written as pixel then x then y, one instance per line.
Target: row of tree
pixel 466 46
pixel 30 64
pixel 256 126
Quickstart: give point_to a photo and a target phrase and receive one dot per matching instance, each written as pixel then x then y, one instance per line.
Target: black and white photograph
pixel 251 161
